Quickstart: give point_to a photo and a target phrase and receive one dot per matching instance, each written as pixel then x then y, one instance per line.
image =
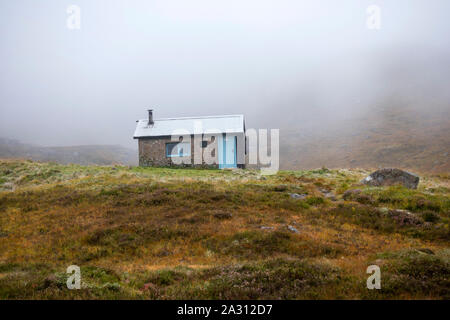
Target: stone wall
pixel 152 152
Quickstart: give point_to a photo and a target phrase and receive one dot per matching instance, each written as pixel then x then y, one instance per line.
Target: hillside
pixel 386 137
pixel 154 233
pixel 84 155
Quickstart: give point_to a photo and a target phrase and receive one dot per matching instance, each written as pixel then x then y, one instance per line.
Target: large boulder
pixel 390 177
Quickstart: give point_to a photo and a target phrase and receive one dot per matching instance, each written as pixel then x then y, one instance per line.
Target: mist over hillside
pixel 389 137
pixel 84 155
pixel 398 117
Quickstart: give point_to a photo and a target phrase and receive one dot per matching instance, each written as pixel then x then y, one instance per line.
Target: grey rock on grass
pixel 293 229
pixel 390 177
pixel 298 196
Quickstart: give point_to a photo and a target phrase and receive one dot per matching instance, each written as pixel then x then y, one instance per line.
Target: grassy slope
pixel 180 233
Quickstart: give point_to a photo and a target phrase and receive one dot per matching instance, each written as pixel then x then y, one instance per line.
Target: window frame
pixel 177 145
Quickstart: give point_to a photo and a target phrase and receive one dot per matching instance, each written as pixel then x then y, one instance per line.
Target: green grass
pixel 403 198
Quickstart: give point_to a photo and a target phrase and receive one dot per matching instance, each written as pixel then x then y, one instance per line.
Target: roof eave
pixel 192 134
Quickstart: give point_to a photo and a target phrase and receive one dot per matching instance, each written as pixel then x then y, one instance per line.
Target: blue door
pixel 227 151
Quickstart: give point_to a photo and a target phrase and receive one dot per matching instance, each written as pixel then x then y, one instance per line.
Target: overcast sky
pixel 280 63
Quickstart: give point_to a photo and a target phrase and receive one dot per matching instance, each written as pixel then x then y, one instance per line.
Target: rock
pixel 293 229
pixel 298 196
pixel 392 176
pixel 266 228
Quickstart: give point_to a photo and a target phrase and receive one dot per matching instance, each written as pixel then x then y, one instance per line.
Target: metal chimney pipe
pixel 150 116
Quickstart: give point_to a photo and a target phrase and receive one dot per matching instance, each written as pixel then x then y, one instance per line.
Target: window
pixel 178 149
pixel 205 142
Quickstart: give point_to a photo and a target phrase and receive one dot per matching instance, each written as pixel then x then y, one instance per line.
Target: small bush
pixel 314 201
pixel 430 216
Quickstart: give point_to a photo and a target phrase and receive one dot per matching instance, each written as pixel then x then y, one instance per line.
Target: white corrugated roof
pixel 190 125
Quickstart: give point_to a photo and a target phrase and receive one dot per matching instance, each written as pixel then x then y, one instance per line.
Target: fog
pixel 283 64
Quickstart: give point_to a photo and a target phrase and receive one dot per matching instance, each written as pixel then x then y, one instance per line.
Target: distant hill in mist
pixel 85 155
pixel 401 137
